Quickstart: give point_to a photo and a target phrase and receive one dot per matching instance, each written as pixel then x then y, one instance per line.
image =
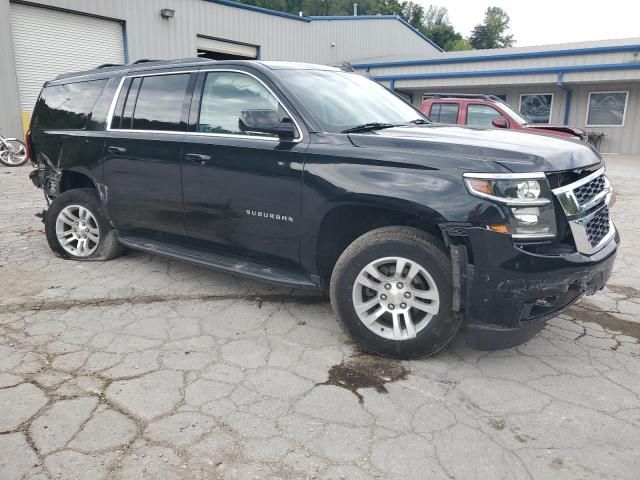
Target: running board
pixel 223 263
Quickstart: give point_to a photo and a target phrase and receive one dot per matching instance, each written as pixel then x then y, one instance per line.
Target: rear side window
pixel 444 112
pixel 67 107
pixel 152 103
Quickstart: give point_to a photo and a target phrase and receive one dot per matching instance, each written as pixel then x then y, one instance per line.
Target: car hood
pixel 557 128
pixel 516 151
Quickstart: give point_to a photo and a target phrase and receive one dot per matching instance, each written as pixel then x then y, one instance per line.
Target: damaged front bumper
pixel 508 293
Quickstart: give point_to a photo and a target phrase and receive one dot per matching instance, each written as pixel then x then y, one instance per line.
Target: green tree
pixel 458 45
pixel 437 27
pixel 492 32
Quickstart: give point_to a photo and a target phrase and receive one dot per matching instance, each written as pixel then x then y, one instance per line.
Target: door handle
pixel 198 158
pixel 117 150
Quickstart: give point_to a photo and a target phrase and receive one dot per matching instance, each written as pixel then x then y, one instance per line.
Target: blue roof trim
pixel 501 56
pixel 351 17
pixel 266 11
pixel 516 71
pixel 381 17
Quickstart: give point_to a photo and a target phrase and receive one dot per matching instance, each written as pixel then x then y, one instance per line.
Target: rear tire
pixel 77 228
pixel 392 291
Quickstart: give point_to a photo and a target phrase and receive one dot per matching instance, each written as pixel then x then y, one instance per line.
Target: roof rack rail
pixel 463 95
pixel 105 65
pixel 144 60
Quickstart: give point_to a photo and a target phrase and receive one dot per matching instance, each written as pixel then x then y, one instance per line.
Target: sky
pixel 543 22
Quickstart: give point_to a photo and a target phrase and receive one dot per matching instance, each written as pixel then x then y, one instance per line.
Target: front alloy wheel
pixel 395 297
pixel 392 291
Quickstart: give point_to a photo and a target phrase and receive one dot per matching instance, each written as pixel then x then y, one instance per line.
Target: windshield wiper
pixel 420 121
pixel 368 127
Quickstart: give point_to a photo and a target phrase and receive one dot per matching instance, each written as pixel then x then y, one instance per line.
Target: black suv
pixel 311 177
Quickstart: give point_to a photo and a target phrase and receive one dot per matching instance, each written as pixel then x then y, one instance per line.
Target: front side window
pixel 537 107
pixel 444 113
pixel 481 115
pixel 338 101
pixel 152 103
pixel 606 109
pixel 226 95
pixel 68 106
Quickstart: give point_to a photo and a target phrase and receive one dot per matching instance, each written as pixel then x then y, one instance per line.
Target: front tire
pixel 392 291
pixel 77 228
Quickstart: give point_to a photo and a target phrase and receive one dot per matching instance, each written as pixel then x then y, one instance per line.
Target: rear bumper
pixel 508 294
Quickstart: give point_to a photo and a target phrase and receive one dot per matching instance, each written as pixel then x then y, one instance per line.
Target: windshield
pixel 517 116
pixel 340 101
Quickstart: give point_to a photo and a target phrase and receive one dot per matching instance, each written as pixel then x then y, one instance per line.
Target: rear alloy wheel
pixel 392 291
pixel 78 229
pixel 395 297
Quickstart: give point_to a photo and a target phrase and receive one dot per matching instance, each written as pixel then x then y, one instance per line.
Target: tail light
pixel 27 142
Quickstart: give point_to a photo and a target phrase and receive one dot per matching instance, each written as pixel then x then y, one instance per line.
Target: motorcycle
pixel 13 152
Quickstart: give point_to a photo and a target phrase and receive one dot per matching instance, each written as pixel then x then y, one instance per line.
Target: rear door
pixel 241 190
pixel 142 167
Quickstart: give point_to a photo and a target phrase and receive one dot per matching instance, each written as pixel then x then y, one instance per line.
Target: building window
pixel 537 107
pixel 606 109
pixel 444 113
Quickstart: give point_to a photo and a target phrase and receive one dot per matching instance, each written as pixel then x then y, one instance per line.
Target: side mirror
pixel 499 122
pixel 266 121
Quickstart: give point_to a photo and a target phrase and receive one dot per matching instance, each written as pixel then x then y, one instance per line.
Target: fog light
pixel 527 216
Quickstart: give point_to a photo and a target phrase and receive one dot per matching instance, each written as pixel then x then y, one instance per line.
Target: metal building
pixel 43 38
pixel 592 85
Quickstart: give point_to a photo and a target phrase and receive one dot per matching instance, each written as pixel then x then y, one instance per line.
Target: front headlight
pixel 527 200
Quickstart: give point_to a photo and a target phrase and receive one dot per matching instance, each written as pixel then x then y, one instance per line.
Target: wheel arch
pixel 73 179
pixel 345 222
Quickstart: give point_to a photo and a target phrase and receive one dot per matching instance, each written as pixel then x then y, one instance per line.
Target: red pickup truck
pixel 488 111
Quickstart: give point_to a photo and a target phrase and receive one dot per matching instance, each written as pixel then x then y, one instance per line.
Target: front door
pixel 142 165
pixel 241 190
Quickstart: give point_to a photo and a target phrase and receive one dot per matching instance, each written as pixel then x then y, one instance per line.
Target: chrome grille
pixel 586 206
pixel 585 193
pixel 598 227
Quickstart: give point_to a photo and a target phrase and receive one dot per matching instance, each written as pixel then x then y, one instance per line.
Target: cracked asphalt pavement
pixel 146 368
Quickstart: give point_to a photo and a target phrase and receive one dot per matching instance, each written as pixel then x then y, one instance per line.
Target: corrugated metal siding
pixel 47 43
pixel 623 139
pixel 151 36
pixel 513 64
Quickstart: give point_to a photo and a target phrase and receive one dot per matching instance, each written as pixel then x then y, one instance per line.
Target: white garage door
pixel 47 43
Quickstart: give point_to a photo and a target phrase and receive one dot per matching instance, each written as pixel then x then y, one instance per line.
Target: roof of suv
pixel 145 65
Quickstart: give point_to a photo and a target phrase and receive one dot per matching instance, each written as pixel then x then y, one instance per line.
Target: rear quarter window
pixel 66 107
